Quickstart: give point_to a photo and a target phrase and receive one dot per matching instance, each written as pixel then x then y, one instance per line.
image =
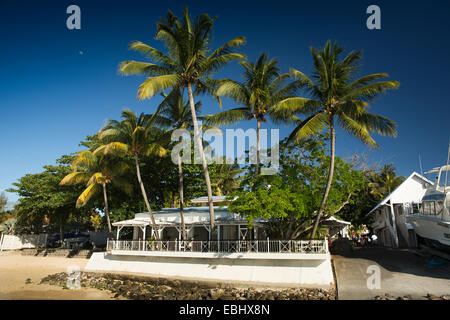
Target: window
pixel 439 207
pixel 416 208
pixel 426 208
pixel 432 208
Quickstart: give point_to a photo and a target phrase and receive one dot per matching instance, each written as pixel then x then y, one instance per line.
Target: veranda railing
pixel 224 246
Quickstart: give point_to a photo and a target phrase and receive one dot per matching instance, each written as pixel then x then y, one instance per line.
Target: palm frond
pixel 154 85
pixel 88 194
pixel 310 126
pixel 75 178
pixel 227 117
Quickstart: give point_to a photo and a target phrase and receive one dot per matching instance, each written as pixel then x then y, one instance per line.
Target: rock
pixel 28 281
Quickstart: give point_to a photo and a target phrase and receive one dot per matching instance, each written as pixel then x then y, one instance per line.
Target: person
pixel 374 238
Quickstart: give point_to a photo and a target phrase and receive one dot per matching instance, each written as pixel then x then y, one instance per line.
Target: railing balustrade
pixel 223 246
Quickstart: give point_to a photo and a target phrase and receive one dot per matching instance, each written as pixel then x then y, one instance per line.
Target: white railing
pixel 270 246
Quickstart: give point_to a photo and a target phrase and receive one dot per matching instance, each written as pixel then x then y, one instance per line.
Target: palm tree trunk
pixel 61 234
pixel 202 155
pixel 108 222
pixel 330 177
pixel 258 129
pixel 181 191
pixel 144 194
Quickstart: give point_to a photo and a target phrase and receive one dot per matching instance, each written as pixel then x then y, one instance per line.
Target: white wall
pixel 25 241
pixel 301 271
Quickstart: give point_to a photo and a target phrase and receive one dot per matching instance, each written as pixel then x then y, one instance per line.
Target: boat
pixel 431 219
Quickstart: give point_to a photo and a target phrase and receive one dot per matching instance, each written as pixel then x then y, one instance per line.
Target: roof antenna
pixel 420 163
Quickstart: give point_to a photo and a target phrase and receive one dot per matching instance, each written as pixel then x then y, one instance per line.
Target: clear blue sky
pixel 59 85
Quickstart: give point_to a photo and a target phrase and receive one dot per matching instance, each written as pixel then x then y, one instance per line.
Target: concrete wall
pixel 283 269
pixel 11 242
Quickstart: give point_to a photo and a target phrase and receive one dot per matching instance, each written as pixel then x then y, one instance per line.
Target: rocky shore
pixel 408 297
pixel 144 288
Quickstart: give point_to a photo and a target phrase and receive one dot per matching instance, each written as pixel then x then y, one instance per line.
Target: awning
pixel 332 221
pixel 131 223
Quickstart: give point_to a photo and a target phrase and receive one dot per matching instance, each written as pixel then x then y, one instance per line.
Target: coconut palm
pixel 386 182
pixel 188 63
pixel 135 136
pixel 337 97
pixel 226 178
pixel 97 171
pixel 261 89
pixel 175 112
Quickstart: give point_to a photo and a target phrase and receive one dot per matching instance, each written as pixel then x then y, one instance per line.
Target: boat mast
pixel 446 174
pixel 446 167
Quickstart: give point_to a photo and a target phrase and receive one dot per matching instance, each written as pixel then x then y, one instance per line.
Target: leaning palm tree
pixel 135 136
pixel 188 63
pixel 336 95
pixel 97 171
pixel 174 112
pixel 262 88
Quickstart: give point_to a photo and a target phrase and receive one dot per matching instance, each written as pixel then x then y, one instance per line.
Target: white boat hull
pixel 432 228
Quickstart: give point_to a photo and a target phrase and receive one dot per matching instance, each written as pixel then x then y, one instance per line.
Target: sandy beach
pixel 15 269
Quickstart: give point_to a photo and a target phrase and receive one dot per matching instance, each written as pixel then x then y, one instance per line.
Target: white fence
pixel 24 241
pixel 260 246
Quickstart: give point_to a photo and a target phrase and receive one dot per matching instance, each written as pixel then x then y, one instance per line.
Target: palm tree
pixel 337 96
pixel 386 182
pixel 226 178
pixel 187 65
pixel 134 136
pixel 175 112
pixel 257 94
pixel 97 171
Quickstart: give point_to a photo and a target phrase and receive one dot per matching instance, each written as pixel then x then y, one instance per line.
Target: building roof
pixel 332 221
pixel 192 215
pixel 216 199
pixel 398 191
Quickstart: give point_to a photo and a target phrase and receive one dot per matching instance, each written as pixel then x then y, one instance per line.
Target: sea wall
pixel 277 269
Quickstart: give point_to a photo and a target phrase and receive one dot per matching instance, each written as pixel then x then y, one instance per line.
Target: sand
pixel 15 269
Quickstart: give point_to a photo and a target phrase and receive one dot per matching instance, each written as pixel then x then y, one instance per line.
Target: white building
pixel 391 225
pixel 231 252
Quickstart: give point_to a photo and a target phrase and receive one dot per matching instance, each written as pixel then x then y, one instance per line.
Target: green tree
pixel 96 171
pixel 135 136
pixel 337 96
pixel 290 198
pixel 3 201
pixel 41 197
pixel 188 64
pixel 262 88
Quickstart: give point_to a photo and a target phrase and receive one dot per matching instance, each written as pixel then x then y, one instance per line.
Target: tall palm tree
pixel 97 171
pixel 187 64
pixel 337 96
pixel 261 89
pixel 175 112
pixel 135 136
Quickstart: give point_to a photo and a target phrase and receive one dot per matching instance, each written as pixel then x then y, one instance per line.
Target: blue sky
pixel 59 85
